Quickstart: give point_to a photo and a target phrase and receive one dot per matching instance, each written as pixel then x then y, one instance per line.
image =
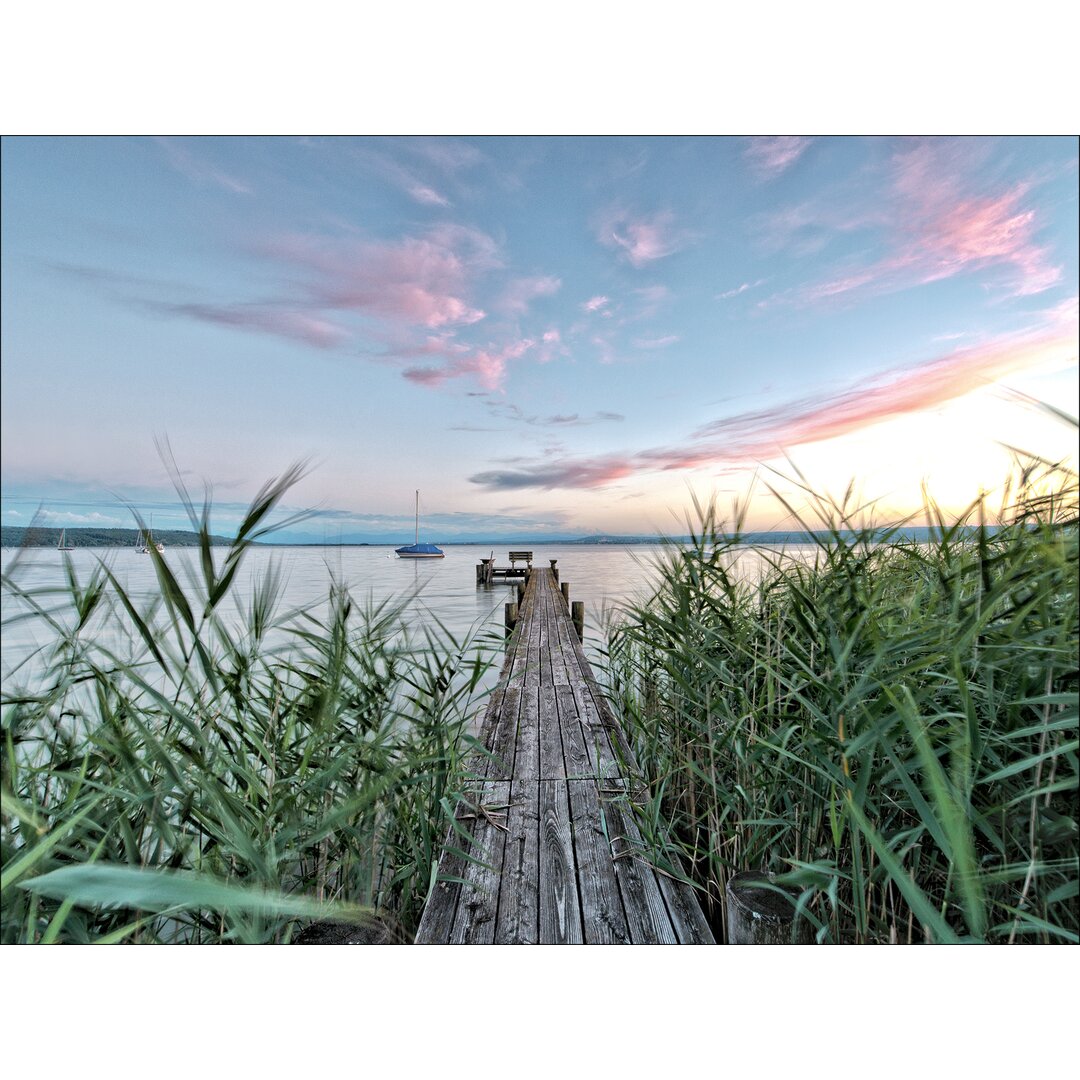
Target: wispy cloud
pixel 894 394
pixel 746 286
pixel 420 281
pixel 294 325
pixel 595 303
pixel 198 170
pixel 641 239
pixel 770 155
pixel 655 343
pixel 583 473
pixel 488 365
pixel 521 292
pixel 507 410
pixel 762 434
pixel 387 167
pixel 934 223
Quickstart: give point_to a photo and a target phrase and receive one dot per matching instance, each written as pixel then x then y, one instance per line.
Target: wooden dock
pixel 547 851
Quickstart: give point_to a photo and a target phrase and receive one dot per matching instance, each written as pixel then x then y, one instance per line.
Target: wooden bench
pixel 521 556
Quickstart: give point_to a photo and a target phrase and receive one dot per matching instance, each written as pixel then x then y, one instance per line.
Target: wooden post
pixel 510 618
pixel 479 574
pixel 377 930
pixel 521 593
pixel 554 570
pixel 577 614
pixel 759 915
pixel 566 594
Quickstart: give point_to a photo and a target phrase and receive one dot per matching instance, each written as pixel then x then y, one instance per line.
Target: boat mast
pixel 416 531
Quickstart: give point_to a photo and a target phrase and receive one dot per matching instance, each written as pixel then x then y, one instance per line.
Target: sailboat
pixel 144 543
pixel 61 546
pixel 416 550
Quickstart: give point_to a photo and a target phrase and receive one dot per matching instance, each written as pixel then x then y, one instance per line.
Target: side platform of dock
pixel 546 848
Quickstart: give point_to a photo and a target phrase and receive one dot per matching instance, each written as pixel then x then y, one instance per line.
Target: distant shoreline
pixel 21 537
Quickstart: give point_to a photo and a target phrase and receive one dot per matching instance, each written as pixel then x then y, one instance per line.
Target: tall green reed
pixel 889 726
pixel 186 769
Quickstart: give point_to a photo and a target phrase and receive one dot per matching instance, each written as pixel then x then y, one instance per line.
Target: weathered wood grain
pixel 478 903
pixel 560 912
pixel 519 911
pixel 603 919
pixel 575 752
pixel 646 913
pixel 552 760
pixel 556 855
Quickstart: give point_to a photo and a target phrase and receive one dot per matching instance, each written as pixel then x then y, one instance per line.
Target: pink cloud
pixel 752 436
pixel 487 365
pixel 294 325
pixel 935 227
pixel 595 303
pixel 417 281
pixel 550 346
pixel 641 239
pixel 770 155
pixel 521 292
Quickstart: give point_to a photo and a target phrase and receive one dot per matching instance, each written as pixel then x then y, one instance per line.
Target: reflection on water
pixel 436 590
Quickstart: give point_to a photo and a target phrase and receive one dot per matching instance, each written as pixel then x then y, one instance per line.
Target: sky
pixel 548 337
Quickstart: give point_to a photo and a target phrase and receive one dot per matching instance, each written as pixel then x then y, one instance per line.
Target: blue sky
pixel 547 337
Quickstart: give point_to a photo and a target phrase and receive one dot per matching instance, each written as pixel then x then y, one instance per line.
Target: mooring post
pixel 554 570
pixel 577 615
pixel 521 593
pixel 759 913
pixel 510 618
pixel 565 587
pixel 479 574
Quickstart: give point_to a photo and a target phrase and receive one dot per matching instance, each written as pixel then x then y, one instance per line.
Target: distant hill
pixel 18 536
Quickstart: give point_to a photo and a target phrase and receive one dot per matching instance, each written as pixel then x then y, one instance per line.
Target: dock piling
pixel 577 614
pixel 759 913
pixel 565 589
pixel 510 618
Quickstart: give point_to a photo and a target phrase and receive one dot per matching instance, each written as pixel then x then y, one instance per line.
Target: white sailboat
pixel 144 543
pixel 416 550
pixel 61 545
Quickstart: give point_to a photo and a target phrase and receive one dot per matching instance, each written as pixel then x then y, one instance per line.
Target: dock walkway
pixel 548 851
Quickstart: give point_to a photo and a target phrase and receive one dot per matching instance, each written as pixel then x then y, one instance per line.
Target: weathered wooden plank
pixel 478 904
pixel 533 662
pixel 560 911
pixel 575 752
pixel 527 756
pixel 684 909
pixel 560 672
pixel 436 924
pixel 572 865
pixel 602 757
pixel 504 740
pixel 646 914
pixel 602 916
pixel 519 913
pixel 552 762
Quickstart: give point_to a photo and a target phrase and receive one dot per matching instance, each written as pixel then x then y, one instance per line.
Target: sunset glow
pixel 547 337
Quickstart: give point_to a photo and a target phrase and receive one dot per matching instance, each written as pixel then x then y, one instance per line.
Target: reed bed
pixel 890 728
pixel 179 771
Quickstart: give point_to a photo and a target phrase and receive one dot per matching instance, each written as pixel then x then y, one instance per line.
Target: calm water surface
pixel 604 576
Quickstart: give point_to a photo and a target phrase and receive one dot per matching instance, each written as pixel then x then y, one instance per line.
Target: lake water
pixel 604 576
